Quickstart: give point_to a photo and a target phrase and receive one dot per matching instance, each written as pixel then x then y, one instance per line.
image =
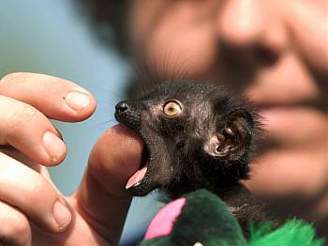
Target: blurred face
pixel 274 52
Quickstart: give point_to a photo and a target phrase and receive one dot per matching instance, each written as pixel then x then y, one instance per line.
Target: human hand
pixel 29 200
pixel 100 204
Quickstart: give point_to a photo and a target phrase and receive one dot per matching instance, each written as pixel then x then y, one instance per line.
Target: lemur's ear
pixel 233 139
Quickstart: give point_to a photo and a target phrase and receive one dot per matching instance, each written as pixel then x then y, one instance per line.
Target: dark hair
pixel 108 19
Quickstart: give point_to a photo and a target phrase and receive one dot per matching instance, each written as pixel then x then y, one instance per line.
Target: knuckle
pixel 17 227
pixel 38 186
pixel 25 113
pixel 11 77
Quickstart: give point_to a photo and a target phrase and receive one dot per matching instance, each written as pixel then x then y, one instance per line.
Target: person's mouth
pixel 290 124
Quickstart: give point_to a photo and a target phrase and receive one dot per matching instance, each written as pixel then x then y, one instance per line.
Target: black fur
pixel 179 149
pixel 207 146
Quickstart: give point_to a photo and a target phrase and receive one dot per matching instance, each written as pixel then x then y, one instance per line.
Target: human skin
pixel 96 210
pixel 273 52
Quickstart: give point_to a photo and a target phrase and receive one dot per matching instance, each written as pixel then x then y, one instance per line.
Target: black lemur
pixel 196 136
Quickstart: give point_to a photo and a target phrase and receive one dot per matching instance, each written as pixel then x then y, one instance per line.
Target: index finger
pixel 56 98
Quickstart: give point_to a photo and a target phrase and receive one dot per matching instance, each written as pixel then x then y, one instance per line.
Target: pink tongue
pixel 136 178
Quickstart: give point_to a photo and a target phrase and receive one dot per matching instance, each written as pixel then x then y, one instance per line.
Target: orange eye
pixel 172 108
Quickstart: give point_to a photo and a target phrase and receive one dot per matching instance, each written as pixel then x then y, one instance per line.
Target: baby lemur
pixel 196 136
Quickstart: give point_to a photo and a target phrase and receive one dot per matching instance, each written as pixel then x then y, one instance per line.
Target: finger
pixel 101 197
pixel 15 228
pixel 25 189
pixel 57 98
pixel 29 131
pixel 20 157
pixel 308 25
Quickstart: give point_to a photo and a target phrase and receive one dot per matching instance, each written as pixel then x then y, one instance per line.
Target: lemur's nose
pixel 128 113
pixel 122 107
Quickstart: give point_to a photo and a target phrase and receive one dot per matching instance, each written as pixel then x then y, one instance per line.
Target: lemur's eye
pixel 172 108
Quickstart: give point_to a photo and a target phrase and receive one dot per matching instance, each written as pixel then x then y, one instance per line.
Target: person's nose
pixel 252 24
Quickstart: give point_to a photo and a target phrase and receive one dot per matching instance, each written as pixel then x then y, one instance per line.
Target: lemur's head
pixel 196 136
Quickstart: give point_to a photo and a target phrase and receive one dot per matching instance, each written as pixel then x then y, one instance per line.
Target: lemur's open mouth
pixel 140 183
pixel 138 176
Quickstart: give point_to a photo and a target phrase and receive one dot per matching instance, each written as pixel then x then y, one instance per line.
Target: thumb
pixel 101 198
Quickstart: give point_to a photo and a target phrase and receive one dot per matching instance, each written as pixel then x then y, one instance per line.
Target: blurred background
pixel 51 37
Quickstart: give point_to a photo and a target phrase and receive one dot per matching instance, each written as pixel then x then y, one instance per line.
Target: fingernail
pixel 77 100
pixel 54 146
pixel 62 215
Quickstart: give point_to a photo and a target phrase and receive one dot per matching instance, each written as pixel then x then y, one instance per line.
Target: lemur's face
pixel 191 131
